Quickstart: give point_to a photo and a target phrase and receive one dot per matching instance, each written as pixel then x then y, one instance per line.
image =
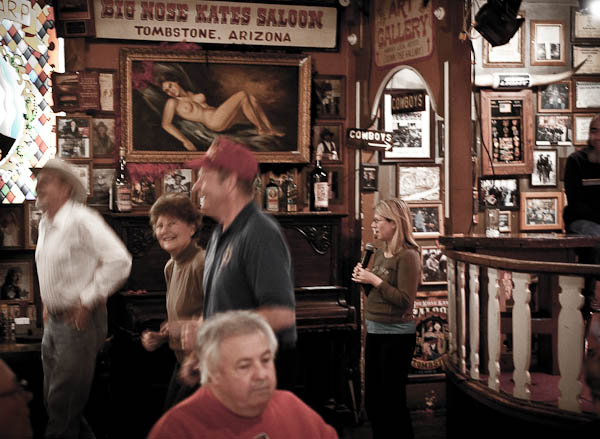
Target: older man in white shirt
pixel 80 262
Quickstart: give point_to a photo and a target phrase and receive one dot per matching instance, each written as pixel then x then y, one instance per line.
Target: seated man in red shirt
pixel 236 350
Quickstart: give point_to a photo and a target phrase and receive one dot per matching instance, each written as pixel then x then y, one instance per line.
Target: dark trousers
pixel 177 391
pixel 387 361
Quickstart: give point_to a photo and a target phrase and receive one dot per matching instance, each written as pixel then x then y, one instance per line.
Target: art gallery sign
pixel 217 22
pixel 403 31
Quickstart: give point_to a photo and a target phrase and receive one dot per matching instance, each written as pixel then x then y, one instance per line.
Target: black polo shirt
pixel 248 266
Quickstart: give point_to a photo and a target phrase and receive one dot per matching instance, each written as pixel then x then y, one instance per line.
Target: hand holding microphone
pixel 360 274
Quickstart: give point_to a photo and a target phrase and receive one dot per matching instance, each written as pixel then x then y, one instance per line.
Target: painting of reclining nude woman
pixel 176 103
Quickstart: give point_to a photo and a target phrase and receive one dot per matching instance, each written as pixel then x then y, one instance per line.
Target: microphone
pixel 369 249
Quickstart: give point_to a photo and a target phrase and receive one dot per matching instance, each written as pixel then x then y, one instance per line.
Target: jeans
pixel 69 362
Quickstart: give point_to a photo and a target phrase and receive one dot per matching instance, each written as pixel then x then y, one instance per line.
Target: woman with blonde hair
pixel 391 328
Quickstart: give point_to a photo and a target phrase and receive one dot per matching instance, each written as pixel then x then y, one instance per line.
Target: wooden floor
pixel 426 424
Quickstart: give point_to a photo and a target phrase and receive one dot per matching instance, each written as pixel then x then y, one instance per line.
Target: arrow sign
pixel 369 138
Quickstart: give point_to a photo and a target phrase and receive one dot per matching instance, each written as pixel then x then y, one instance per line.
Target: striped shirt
pixel 79 258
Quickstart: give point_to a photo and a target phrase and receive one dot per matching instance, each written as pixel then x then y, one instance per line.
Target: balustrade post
pixel 462 317
pixel 452 310
pixel 521 334
pixel 493 340
pixel 570 342
pixel 474 319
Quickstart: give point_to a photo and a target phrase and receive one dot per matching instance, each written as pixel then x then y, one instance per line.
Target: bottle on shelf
pixel 283 183
pixel 272 195
pixel 319 186
pixel 291 195
pixel 121 188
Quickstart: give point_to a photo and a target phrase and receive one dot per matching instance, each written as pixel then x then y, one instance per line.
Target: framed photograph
pixel 511 54
pixel 11 226
pixel 584 26
pixel 369 177
pixel 587 94
pixel 541 211
pixel 330 94
pixel 16 278
pixel 581 128
pixel 261 99
pixel 178 181
pixel 434 266
pixel 591 56
pixel 506 132
pixel 102 178
pixel 504 221
pixel 143 194
pixel 84 173
pixel 428 219
pixel 411 138
pixel 500 193
pixel 553 129
pixel 73 136
pixel 103 139
pixel 74 9
pixel 419 182
pixel 545 165
pixel 547 43
pixel 555 98
pixel 33 215
pixel 326 139
pixel 108 85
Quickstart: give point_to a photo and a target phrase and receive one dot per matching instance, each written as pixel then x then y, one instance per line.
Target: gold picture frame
pixel 541 211
pixel 276 86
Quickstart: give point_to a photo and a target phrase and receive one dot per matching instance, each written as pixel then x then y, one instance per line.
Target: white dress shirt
pixel 79 258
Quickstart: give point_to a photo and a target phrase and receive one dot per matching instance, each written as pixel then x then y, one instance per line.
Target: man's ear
pixel 230 182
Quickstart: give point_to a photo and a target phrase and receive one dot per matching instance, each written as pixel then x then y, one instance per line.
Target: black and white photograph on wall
pixel 553 129
pixel 434 266
pixel 427 219
pixel 102 178
pixel 419 183
pixel 178 181
pixel 84 173
pixel 33 215
pixel 11 226
pixel 368 177
pixel 501 193
pixel 73 137
pixel 544 167
pixel 16 279
pixel 330 94
pixel 326 141
pixel 103 140
pixel 504 221
pixel 555 98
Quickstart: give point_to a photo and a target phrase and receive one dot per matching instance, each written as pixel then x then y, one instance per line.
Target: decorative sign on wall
pixel 403 31
pixel 217 22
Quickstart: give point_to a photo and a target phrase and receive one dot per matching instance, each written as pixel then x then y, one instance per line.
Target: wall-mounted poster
pixel 591 56
pixel 431 315
pixel 587 94
pixel 73 136
pixel 507 132
pixel 330 92
pixel 547 43
pixel 500 193
pixel 434 266
pixel 511 54
pixel 103 140
pixel 585 27
pixel 102 178
pixel 178 181
pixel 427 219
pixel 541 210
pixel 411 134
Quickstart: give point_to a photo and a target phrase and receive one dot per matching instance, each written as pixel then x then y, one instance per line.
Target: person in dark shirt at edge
pixel 248 264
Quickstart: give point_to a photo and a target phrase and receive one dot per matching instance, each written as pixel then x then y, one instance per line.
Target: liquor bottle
pixel 272 195
pixel 283 183
pixel 258 190
pixel 291 195
pixel 121 188
pixel 319 187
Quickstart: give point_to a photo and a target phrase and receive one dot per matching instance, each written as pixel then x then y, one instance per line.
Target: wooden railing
pixel 474 308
